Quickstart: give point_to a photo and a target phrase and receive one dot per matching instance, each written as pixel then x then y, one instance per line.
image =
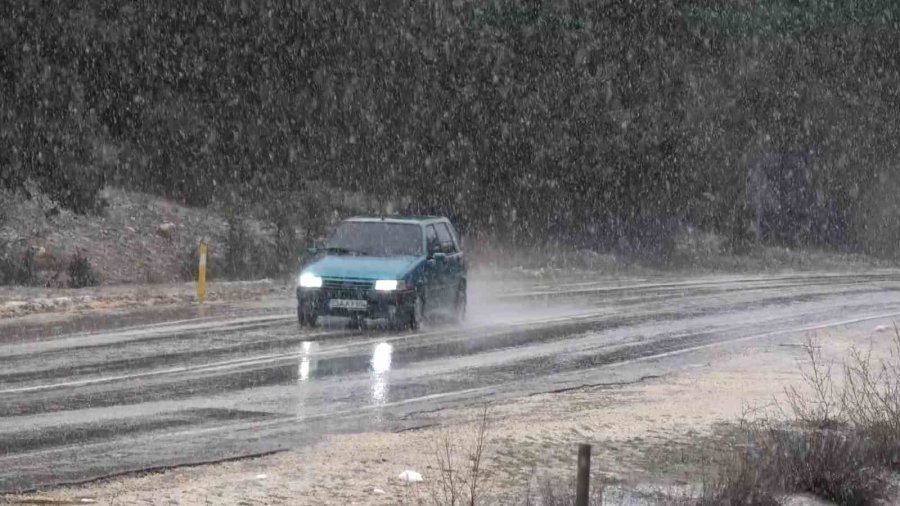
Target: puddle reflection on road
pixel 307 348
pixel 381 367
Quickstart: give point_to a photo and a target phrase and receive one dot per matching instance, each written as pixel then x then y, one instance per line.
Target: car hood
pixel 356 267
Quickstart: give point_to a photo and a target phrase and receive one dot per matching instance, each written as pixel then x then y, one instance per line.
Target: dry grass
pixel 841 442
pixel 17 265
pixel 548 492
pixel 819 405
pixel 843 467
pixel 461 476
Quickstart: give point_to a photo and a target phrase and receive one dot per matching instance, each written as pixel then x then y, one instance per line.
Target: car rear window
pixel 377 239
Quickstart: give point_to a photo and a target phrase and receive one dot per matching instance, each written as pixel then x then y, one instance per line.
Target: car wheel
pixel 356 322
pixel 459 305
pixel 417 315
pixel 305 318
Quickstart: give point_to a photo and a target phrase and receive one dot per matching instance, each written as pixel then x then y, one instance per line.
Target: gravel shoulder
pixel 649 435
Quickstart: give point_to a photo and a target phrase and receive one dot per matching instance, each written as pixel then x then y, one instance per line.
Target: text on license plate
pixel 348 304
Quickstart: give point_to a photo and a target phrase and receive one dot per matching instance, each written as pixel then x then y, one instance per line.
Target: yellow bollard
pixel 201 277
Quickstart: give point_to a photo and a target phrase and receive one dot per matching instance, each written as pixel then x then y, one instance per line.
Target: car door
pixel 460 255
pixel 435 272
pixel 453 266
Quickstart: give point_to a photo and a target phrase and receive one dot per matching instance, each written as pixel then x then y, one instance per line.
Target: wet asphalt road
pixel 78 404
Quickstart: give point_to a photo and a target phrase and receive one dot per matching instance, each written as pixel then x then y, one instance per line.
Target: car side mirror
pixel 439 256
pixel 312 251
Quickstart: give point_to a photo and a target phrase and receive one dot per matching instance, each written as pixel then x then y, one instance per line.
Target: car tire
pixel 306 319
pixel 417 312
pixel 460 303
pixel 356 322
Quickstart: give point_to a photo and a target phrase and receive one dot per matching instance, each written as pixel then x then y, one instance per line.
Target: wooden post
pixel 201 275
pixel 582 492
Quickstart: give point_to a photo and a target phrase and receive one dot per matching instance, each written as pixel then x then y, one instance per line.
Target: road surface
pixel 195 385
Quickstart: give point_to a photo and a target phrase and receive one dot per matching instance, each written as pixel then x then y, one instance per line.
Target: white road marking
pixel 600 288
pixel 491 388
pixel 130 335
pixel 261 359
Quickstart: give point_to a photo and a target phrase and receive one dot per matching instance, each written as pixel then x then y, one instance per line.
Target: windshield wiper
pixel 345 251
pixel 338 250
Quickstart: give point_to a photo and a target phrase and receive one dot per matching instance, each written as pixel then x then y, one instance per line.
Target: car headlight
pixel 307 280
pixel 389 285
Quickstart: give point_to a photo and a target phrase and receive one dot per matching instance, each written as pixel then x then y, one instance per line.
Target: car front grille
pixel 345 284
pixel 346 289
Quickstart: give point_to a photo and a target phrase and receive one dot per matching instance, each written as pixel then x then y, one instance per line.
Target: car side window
pixel 431 239
pixel 455 235
pixel 448 246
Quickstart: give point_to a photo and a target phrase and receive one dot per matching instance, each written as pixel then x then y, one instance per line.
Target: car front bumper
pixel 387 305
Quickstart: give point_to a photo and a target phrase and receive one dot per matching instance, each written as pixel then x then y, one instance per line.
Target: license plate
pixel 348 304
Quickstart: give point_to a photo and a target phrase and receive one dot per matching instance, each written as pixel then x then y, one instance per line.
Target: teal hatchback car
pixel 405 270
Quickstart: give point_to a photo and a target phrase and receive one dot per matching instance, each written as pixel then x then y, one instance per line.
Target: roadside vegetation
pixel 459 476
pixel 462 476
pixel 144 239
pixel 81 273
pixel 835 437
pixel 838 438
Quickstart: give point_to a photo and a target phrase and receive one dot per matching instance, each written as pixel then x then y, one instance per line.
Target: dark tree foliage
pixel 81 273
pixel 604 124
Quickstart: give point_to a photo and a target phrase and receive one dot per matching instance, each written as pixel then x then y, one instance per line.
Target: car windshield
pixel 376 239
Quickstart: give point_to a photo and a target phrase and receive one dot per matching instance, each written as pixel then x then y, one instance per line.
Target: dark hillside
pixel 603 124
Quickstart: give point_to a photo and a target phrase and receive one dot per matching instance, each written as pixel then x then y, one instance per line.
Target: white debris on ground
pixel 166 230
pixel 882 328
pixel 804 500
pixel 43 304
pixel 410 477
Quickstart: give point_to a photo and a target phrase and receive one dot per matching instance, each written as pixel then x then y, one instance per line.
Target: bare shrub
pixel 6 207
pixel 741 483
pixel 821 403
pixel 246 255
pixel 188 258
pixel 549 492
pixel 839 466
pixel 238 256
pixel 286 213
pixel 843 442
pixel 866 399
pixel 461 477
pixel 81 273
pixel 17 265
pixel 188 261
pixel 872 397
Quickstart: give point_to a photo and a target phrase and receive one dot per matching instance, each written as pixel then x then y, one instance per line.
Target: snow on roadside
pixel 646 434
pixel 15 302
